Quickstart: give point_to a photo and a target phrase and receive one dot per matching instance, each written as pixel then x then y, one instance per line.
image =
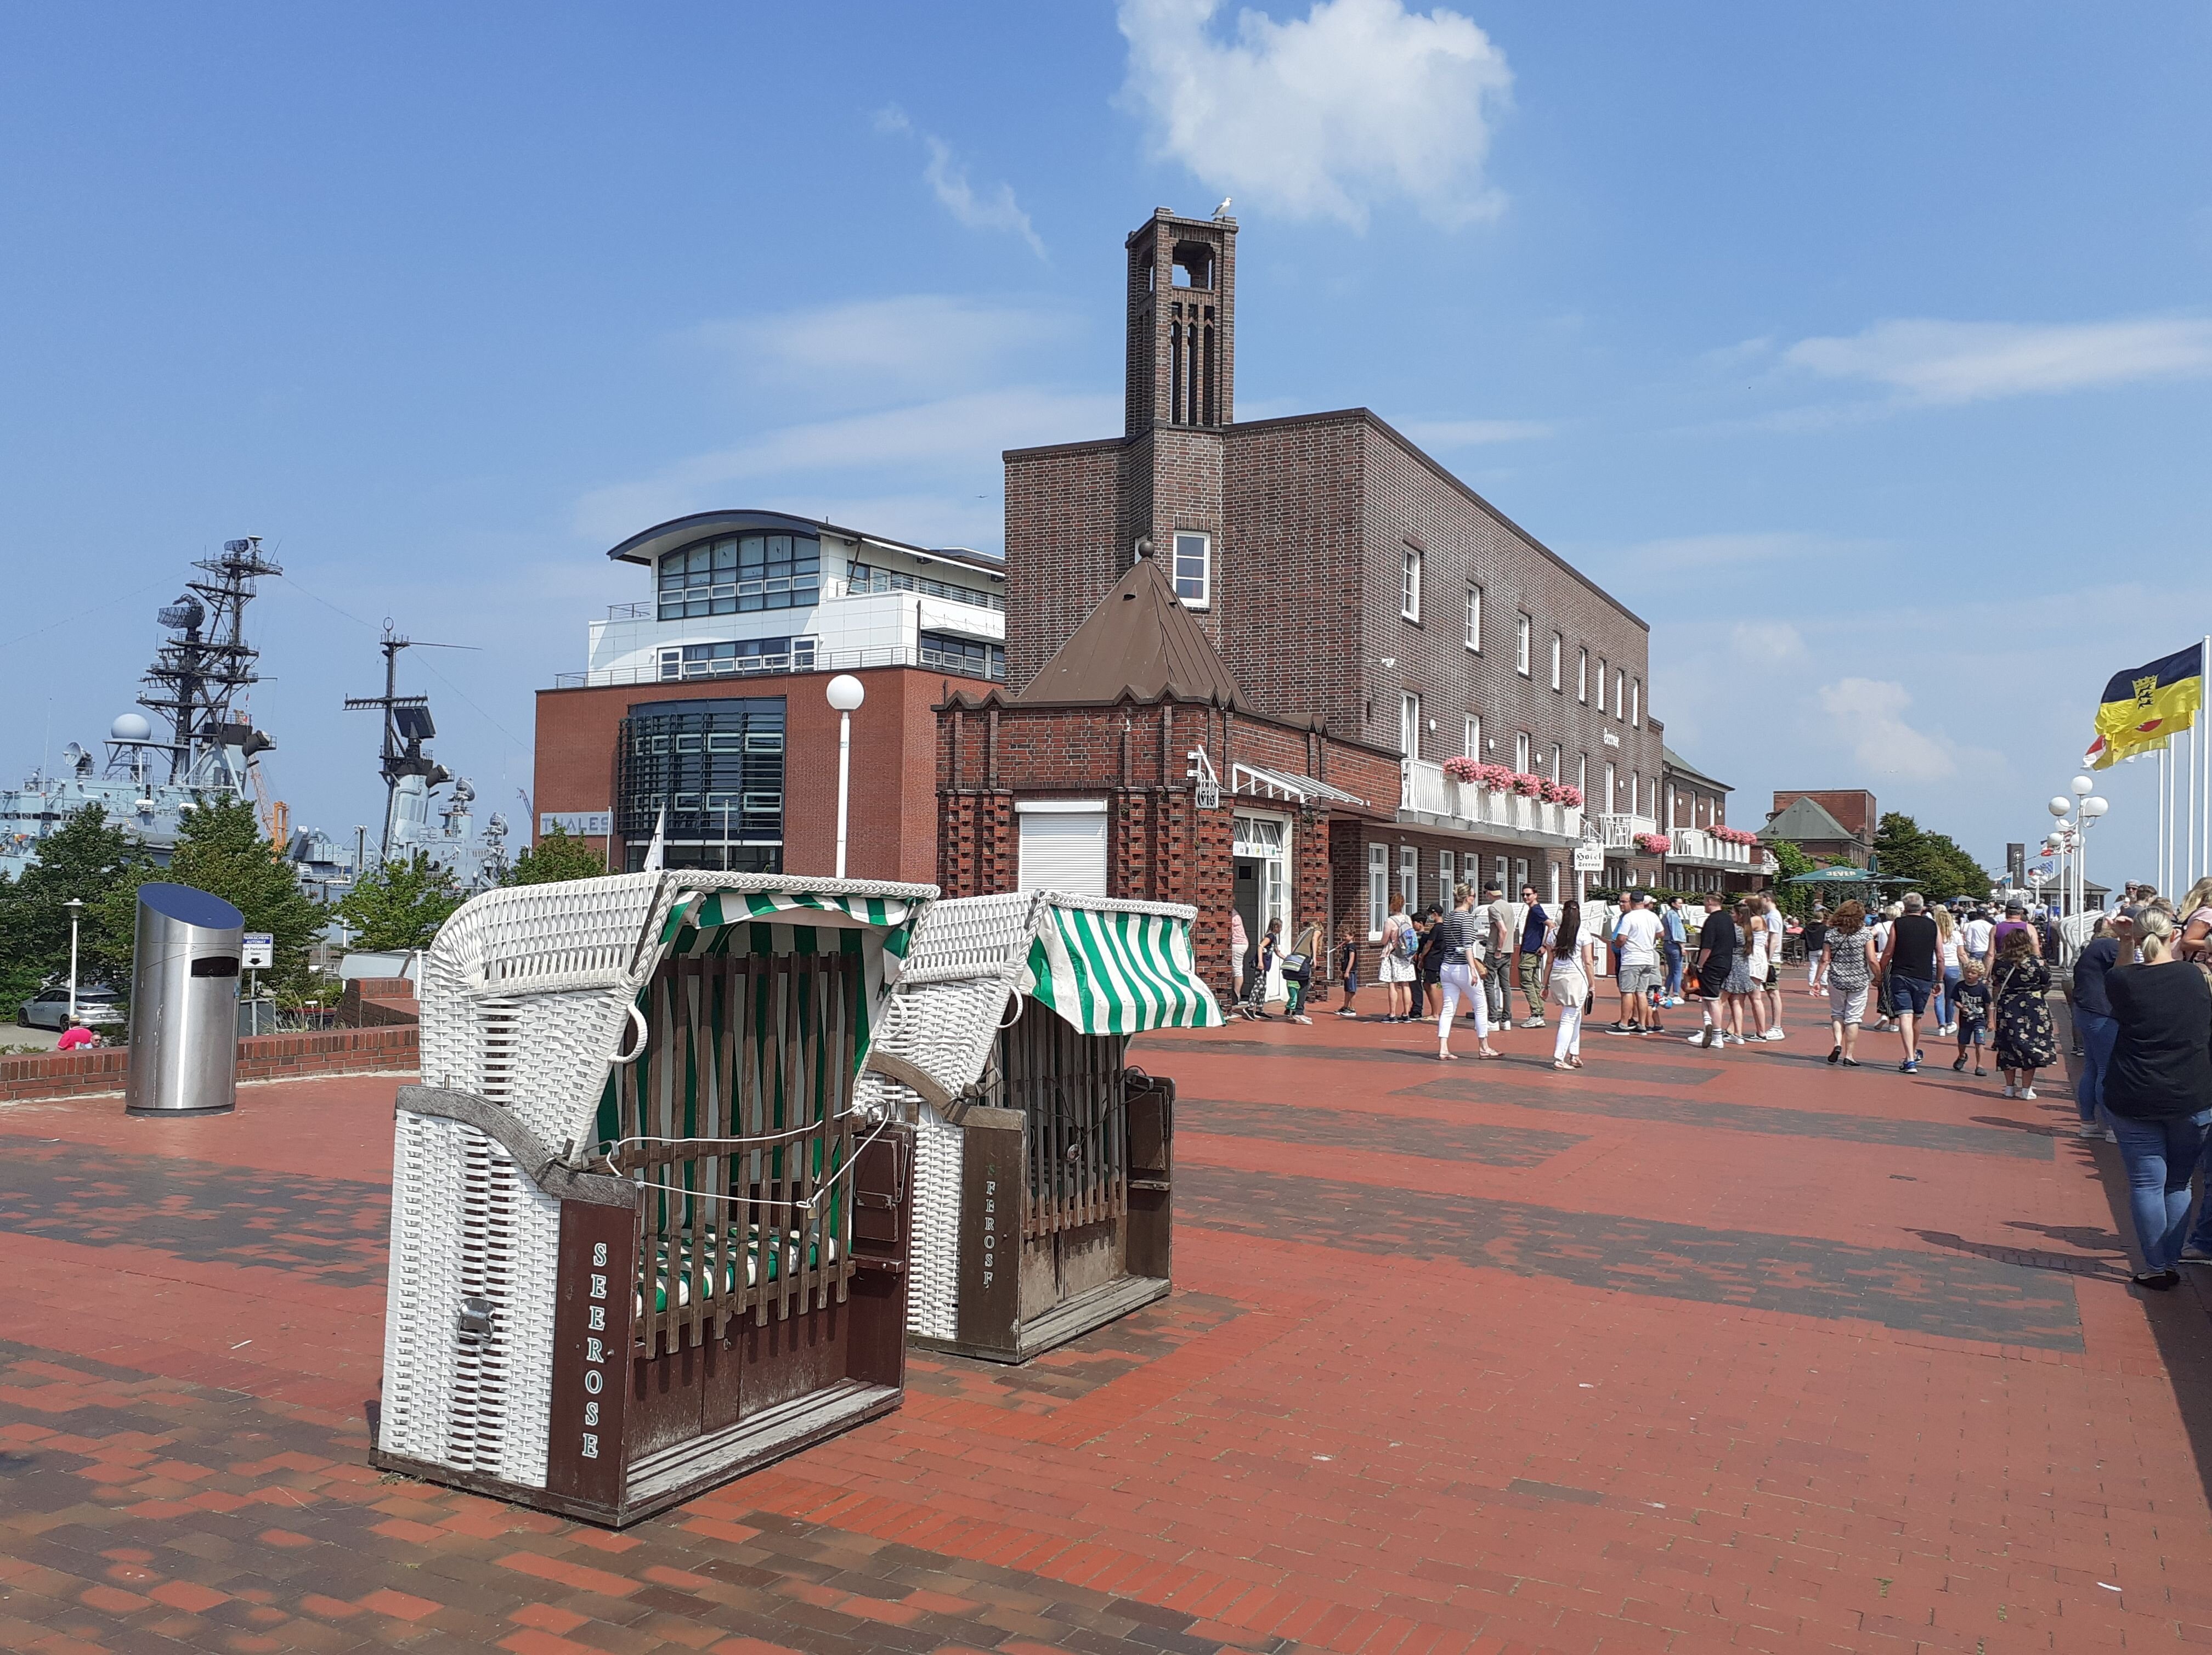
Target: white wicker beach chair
pixel 1042 1200
pixel 642 1240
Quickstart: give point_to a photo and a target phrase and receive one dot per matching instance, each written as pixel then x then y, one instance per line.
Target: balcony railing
pixel 1425 788
pixel 883 580
pixel 1617 830
pixel 819 661
pixel 1698 845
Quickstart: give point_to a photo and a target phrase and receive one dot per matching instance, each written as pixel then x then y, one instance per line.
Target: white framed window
pixel 1409 876
pixel 1410 605
pixel 1474 618
pixel 1581 778
pixel 1582 676
pixel 1558 653
pixel 1409 725
pixel 1670 805
pixel 1471 738
pixel 1620 685
pixel 1520 750
pixel 1609 788
pixel 1523 627
pixel 1502 870
pixel 1601 684
pixel 1519 876
pixel 1635 704
pixel 1378 889
pixel 1555 763
pixel 1445 875
pixel 1194 569
pixel 1553 899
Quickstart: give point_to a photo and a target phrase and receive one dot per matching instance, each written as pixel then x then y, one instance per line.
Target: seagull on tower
pixel 1222 211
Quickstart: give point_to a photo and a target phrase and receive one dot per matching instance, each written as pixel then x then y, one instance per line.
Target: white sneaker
pixel 2026 1091
pixel 1774 1034
pixel 1699 1039
pixel 2006 1092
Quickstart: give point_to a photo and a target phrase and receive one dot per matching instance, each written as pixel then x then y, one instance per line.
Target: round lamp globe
pixel 847 693
pixel 2061 806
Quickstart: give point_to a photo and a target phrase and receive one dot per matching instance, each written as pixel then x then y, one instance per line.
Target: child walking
pixel 1970 999
pixel 1347 967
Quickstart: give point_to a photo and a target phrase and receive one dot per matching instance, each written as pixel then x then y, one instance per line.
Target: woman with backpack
pixel 1395 971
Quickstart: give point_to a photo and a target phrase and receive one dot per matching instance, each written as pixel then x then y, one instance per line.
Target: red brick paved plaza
pixel 1693 1351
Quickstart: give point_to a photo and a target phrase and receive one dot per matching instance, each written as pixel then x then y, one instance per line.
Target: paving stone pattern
pixel 1806 1361
pixel 334 1228
pixel 1960 1298
pixel 1338 1129
pixel 2032 1144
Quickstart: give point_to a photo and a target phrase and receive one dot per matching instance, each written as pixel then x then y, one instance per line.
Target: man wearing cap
pixel 1636 940
pixel 2015 919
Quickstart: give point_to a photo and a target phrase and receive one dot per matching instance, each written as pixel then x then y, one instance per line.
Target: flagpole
pixel 2203 659
pixel 2165 884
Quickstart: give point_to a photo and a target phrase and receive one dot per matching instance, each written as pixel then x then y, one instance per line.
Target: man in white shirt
pixel 1976 934
pixel 1498 924
pixel 1636 938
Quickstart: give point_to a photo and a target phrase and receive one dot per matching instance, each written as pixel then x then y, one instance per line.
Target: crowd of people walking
pixel 2137 992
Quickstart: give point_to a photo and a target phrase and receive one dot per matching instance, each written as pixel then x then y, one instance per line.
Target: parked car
pixel 95 1008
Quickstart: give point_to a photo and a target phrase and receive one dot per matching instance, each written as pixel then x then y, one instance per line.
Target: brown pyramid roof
pixel 1140 641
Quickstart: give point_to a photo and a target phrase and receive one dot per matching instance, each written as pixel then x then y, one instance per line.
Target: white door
pixel 1064 850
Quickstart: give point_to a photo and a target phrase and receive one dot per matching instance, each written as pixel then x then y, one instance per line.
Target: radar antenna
pixel 196 675
pixel 407 726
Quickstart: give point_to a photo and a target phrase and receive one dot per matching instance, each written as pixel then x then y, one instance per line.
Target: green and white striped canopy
pixel 716 909
pixel 1117 973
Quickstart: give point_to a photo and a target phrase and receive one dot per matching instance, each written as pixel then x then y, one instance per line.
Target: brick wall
pixel 261 1057
pixel 1160 846
pixel 1854 808
pixel 375 1002
pixel 1311 517
pixel 891 833
pixel 1064 509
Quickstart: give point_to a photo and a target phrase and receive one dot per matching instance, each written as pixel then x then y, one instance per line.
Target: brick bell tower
pixel 1182 323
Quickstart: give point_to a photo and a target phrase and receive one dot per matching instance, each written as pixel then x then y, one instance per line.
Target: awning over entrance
pixel 1255 782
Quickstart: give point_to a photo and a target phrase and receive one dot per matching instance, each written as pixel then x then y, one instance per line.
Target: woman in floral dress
pixel 2025 1039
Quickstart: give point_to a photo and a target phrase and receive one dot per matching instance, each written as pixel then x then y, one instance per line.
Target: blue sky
pixel 1867 354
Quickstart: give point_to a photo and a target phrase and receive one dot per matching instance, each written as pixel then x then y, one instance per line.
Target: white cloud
pixel 1319 117
pixel 993 209
pixel 1939 361
pixel 909 341
pixel 1470 432
pixel 1870 714
pixel 1767 643
pixel 953 437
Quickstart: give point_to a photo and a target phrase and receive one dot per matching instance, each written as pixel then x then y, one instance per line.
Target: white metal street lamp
pixel 75 913
pixel 846 694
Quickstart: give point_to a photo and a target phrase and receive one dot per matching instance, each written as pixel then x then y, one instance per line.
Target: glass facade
pixel 739 574
pixel 716 767
pixel 973 656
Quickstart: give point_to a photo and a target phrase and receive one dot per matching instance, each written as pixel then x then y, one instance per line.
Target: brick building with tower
pixel 1351 587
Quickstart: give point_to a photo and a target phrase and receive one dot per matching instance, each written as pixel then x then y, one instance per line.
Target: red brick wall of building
pixel 1160 847
pixel 1853 807
pixel 891 833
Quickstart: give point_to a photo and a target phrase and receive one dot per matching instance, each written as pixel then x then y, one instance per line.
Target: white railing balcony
pixel 1618 829
pixel 1427 790
pixel 1691 844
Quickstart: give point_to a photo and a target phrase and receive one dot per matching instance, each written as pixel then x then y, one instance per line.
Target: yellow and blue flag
pixel 2142 707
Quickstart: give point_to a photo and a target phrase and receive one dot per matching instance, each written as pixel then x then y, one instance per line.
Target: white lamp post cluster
pixel 2067 841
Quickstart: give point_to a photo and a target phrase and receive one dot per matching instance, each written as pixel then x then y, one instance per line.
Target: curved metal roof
pixel 648 546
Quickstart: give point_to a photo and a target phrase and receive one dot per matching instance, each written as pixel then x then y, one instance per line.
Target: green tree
pixel 219 849
pixel 1789 863
pixel 1934 862
pixel 559 855
pixel 85 858
pixel 400 904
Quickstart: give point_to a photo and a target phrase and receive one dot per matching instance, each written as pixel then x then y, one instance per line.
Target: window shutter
pixel 1064 850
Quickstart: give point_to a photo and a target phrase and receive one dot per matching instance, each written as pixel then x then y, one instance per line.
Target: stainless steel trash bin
pixel 184 1003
